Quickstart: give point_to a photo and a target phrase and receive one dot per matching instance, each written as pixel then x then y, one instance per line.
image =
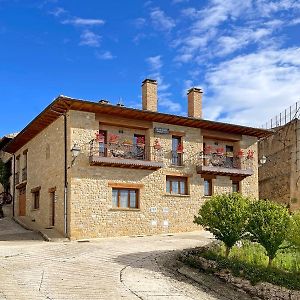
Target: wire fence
pixel 284 117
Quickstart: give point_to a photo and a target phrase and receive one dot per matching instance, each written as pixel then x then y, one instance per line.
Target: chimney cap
pixel 148 80
pixel 194 89
pixel 104 101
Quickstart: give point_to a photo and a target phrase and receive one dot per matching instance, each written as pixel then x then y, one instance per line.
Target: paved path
pixel 110 269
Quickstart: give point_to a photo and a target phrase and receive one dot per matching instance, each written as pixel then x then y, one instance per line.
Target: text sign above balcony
pixel 161 130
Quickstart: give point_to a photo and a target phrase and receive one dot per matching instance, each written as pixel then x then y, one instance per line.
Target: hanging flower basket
pixel 179 148
pixel 113 138
pixel 100 137
pixel 220 151
pixel 250 154
pixel 240 153
pixel 207 150
pixel 157 145
pixel 140 141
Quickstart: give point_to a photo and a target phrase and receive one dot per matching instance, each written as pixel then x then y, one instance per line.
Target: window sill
pixel 35 209
pixel 177 195
pixel 207 197
pixel 177 166
pixel 125 209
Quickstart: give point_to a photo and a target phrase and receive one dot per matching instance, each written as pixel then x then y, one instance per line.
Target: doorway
pixel 22 201
pixel 52 208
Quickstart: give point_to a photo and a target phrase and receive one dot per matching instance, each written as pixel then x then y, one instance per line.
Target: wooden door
pixel 52 200
pixel 22 202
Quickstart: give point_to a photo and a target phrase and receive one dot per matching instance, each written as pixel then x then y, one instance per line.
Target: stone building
pixel 279 176
pixel 93 169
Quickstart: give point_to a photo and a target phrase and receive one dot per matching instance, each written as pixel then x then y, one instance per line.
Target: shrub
pixel 268 225
pixel 226 217
pixel 294 231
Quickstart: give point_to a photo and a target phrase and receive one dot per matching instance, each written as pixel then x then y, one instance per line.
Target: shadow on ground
pixel 166 263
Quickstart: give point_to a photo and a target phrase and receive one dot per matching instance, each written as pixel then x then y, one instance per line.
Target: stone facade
pixel 279 176
pixel 92 213
pixel 45 157
pixel 89 208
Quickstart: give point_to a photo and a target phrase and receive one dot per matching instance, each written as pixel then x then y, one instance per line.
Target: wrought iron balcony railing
pixel 215 163
pixel 177 158
pixel 24 174
pixel 125 155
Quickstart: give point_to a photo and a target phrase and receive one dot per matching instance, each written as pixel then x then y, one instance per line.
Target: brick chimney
pixel 149 94
pixel 195 102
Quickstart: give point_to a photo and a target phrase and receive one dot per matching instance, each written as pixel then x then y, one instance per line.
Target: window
pixel 235 186
pixel 177 150
pixel 102 143
pixel 229 156
pixel 125 198
pixel 139 146
pixel 36 200
pixel 177 185
pixel 207 187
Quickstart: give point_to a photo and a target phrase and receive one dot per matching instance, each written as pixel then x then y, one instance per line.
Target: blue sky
pixel 244 54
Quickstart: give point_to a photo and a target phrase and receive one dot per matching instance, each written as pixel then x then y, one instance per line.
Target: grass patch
pixel 250 262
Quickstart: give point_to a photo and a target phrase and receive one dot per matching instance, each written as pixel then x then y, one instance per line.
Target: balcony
pixel 24 174
pixel 222 164
pixel 122 155
pixel 177 159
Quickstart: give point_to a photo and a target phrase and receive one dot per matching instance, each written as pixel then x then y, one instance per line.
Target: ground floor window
pixel 177 185
pixel 208 190
pixel 125 198
pixel 36 200
pixel 235 186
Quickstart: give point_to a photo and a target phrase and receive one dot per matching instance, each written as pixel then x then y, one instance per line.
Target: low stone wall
pixel 263 290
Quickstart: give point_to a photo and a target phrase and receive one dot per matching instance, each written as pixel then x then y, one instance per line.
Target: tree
pixel 4 175
pixel 293 235
pixel 268 225
pixel 226 217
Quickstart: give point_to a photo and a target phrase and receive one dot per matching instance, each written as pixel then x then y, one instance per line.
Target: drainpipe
pixel 65 179
pixel 14 184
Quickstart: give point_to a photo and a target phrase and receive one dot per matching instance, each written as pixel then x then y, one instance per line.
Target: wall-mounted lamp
pixel 75 152
pixel 263 160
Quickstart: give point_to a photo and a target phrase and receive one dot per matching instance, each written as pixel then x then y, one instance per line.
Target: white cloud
pixel 155 62
pixel 161 21
pixel 107 55
pixel 89 38
pixel 83 22
pixel 58 11
pixel 139 22
pixel 249 88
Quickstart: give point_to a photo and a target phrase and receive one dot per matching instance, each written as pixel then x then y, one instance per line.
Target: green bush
pixel 294 231
pixel 252 272
pixel 226 217
pixel 268 224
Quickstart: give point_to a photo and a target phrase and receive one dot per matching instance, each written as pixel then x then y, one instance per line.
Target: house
pixel 279 176
pixel 96 169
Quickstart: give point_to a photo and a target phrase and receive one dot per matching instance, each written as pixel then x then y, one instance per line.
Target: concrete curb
pixel 25 226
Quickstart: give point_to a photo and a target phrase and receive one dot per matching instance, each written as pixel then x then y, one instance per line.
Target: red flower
pixel 207 149
pixel 113 138
pixel 220 151
pixel 250 154
pixel 180 148
pixel 100 137
pixel 240 153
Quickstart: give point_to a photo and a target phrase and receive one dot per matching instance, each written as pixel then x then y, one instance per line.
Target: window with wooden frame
pixel 208 187
pixel 36 199
pixel 103 143
pixel 235 186
pixel 125 198
pixel 177 185
pixel 177 153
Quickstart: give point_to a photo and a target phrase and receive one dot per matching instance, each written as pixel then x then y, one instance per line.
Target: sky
pixel 244 54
